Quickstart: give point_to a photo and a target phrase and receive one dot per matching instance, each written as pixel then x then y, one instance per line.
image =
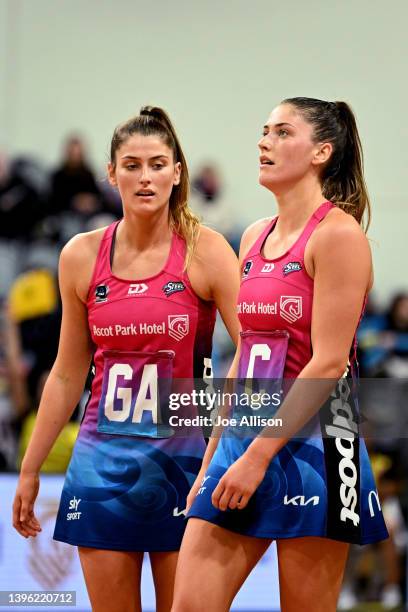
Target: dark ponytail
pixel 343 176
pixel 154 121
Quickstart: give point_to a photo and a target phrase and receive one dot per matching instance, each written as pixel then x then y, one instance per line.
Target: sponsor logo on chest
pixel 101 293
pixel 247 268
pixel 173 287
pixel 137 288
pixel 176 326
pixel 289 307
pixel 292 266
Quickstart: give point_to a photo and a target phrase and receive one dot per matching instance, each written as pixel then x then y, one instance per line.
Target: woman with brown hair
pixel 307 484
pixel 139 297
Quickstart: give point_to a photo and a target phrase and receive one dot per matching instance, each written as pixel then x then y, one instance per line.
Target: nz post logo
pixel 291 308
pixel 179 326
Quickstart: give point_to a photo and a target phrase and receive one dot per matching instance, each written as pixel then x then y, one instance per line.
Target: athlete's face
pixel 287 150
pixel 144 173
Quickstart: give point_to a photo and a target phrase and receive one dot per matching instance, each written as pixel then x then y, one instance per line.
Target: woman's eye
pixel 130 166
pixel 158 166
pixel 282 133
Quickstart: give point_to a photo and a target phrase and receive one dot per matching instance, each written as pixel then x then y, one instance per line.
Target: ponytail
pixel 344 181
pixel 343 177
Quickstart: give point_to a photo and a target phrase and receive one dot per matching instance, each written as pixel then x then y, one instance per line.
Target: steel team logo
pixel 291 308
pixel 137 288
pixel 101 293
pixel 179 326
pixel 247 268
pixel 173 287
pixel 292 266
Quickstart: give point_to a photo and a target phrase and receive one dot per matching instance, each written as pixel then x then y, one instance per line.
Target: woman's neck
pixel 142 233
pixel 297 204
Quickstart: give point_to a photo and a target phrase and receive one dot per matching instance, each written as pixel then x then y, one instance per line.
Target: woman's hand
pixel 24 519
pixel 239 483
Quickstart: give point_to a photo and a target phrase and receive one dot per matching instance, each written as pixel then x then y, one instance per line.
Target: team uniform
pixel 129 475
pixel 319 484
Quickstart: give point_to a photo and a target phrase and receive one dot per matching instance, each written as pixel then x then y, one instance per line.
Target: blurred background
pixel 72 70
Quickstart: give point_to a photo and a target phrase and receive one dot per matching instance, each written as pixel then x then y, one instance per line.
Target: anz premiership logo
pixel 291 308
pixel 179 326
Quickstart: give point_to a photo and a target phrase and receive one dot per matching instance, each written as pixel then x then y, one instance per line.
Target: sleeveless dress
pixel 128 478
pixel 319 484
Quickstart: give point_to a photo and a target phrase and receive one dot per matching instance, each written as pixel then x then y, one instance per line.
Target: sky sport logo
pixel 179 326
pixel 291 308
pixel 73 505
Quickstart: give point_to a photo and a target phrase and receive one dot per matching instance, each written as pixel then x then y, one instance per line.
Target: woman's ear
pixel 112 175
pixel 322 153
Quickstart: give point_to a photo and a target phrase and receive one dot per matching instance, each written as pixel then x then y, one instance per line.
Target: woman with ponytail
pixel 139 300
pixel 306 482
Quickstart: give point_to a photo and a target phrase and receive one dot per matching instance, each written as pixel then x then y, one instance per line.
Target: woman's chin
pixel 264 182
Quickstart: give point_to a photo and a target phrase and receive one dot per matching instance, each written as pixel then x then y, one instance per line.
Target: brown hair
pixel 343 176
pixel 153 120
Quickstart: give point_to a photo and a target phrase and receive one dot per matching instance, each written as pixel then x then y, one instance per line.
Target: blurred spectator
pixel 209 203
pixel 20 203
pixel 8 422
pixel 383 340
pixel 376 572
pixel 75 196
pixel 21 209
pixel 33 325
pixel 73 185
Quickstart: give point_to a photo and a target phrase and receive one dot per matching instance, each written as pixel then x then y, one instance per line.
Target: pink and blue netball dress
pixel 128 479
pixel 319 484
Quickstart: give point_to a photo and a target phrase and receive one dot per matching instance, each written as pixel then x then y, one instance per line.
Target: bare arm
pixel 66 381
pixel 62 390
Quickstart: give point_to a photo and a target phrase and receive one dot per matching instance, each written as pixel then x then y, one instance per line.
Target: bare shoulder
pixel 77 260
pixel 339 242
pixel 211 246
pixel 251 233
pixel 214 263
pixel 339 228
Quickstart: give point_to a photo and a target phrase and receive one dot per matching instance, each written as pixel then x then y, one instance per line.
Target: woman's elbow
pixel 334 367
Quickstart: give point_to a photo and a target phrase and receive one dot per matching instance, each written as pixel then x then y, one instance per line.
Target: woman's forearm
pixel 59 399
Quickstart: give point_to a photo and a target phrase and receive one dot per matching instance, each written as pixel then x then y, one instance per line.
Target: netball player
pixel 140 297
pixel 311 266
